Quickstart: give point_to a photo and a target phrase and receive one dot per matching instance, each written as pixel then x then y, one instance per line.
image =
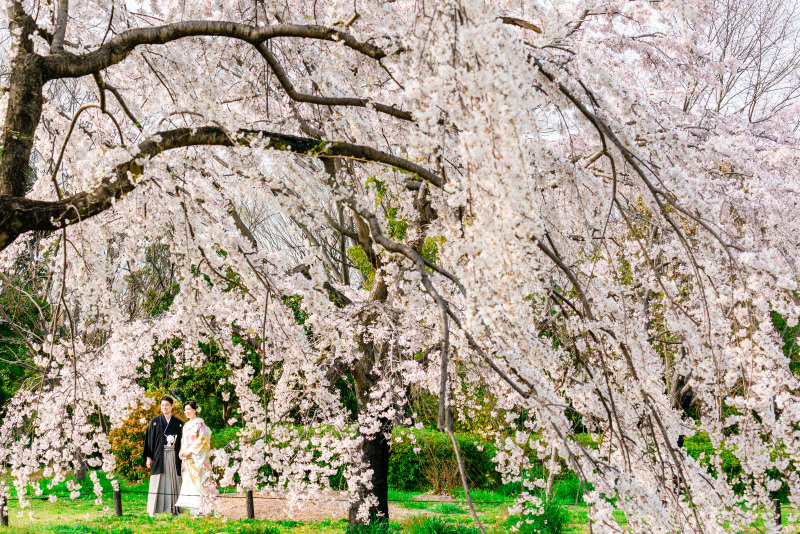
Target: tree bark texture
pixel 375 454
pixel 24 110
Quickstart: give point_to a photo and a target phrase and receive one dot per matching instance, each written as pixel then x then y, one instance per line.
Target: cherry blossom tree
pixel 757 42
pixel 541 224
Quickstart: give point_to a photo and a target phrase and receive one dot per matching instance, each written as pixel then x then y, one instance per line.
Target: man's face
pixel 166 408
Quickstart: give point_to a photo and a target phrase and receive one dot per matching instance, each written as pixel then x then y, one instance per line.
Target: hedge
pixel 700 444
pixel 434 463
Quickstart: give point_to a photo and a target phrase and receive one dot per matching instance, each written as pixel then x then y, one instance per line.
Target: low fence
pixel 249 496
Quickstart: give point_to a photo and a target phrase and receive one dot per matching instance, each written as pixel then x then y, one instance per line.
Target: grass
pixel 567 491
pixel 401 496
pixel 380 527
pixel 82 516
pixel 554 519
pixel 448 508
pixel 436 525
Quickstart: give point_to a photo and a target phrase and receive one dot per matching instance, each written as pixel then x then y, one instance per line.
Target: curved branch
pixel 399 248
pixel 287 85
pixel 66 140
pixel 19 214
pixel 114 91
pixel 68 65
pixel 553 255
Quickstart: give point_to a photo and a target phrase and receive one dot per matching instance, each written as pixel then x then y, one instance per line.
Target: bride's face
pixel 190 412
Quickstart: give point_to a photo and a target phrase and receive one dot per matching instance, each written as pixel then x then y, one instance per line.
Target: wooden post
pixel 251 508
pixel 118 502
pixel 3 511
pixel 777 504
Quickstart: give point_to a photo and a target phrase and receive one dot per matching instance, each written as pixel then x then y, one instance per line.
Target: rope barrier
pixel 236 495
pixel 249 496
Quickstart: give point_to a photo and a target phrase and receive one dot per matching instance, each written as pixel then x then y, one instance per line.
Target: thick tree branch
pixel 18 214
pixel 587 310
pixel 67 65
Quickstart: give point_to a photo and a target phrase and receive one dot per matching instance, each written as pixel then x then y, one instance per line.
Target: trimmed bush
pixel 435 461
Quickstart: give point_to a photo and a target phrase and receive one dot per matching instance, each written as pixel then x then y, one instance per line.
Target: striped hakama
pixel 165 488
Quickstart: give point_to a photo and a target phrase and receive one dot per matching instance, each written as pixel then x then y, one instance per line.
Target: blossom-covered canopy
pixel 555 212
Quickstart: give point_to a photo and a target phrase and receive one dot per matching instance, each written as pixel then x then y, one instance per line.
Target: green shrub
pixel 568 490
pixel 289 523
pixel 554 519
pixel 220 438
pixel 400 495
pixel 61 491
pixel 700 444
pixel 411 471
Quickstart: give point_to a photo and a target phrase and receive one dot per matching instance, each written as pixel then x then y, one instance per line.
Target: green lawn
pixel 82 516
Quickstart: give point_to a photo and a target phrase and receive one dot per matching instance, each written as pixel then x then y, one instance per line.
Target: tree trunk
pixel 551 474
pixel 79 467
pixel 375 455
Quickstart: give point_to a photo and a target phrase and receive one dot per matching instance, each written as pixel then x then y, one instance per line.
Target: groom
pixel 162 447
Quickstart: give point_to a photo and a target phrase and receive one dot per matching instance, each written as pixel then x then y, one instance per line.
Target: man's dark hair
pixel 167 398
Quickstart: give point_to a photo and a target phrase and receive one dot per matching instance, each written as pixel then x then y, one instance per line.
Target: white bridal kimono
pixel 197 487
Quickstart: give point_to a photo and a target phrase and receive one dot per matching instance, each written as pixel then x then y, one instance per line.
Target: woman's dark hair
pixel 192 404
pixel 168 399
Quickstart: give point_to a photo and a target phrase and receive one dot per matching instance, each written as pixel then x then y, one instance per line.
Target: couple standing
pixel 175 451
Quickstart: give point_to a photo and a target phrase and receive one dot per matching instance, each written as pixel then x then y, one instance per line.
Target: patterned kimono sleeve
pixel 195 442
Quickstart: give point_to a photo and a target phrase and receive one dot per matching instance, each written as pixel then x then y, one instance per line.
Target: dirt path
pixel 276 507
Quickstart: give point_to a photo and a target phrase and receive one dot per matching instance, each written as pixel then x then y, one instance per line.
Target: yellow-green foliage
pixel 430 251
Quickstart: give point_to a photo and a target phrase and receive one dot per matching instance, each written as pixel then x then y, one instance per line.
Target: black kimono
pixel 165 472
pixel 155 439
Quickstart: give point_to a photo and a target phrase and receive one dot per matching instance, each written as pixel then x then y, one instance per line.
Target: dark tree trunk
pixel 79 467
pixel 24 110
pixel 375 454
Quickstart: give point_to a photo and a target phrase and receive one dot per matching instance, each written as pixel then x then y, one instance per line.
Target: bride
pixel 197 486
